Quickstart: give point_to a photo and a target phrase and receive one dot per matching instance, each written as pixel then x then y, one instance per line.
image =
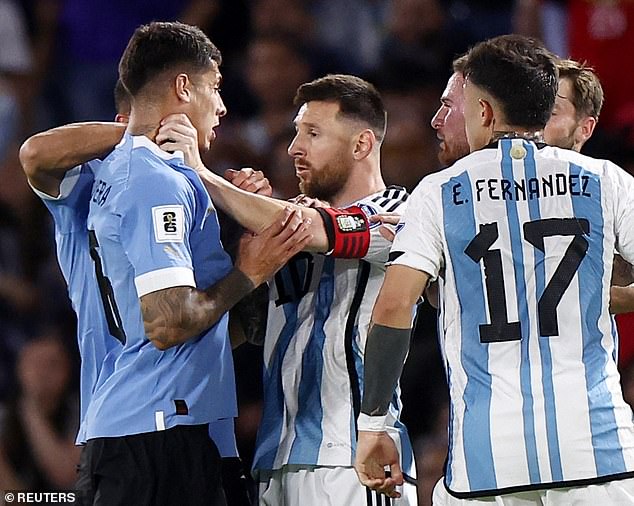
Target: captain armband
pixel 348 231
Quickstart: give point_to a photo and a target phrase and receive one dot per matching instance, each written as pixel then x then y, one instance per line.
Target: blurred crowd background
pixel 58 64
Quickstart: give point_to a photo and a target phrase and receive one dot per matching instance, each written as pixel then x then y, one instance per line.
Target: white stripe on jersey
pixel 524 247
pixel 319 312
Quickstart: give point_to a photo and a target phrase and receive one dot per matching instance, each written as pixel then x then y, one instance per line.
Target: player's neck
pixel 360 184
pixel 146 124
pixel 513 132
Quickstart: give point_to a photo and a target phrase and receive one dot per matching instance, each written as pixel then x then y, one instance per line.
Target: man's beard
pixel 451 154
pixel 327 182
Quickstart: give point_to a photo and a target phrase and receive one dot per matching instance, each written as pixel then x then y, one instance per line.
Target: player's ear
pixel 364 144
pixel 487 114
pixel 584 130
pixel 183 88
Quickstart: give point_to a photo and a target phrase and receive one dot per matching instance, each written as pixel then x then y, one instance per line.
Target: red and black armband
pixel 348 231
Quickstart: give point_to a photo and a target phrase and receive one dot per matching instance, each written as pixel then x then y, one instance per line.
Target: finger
pixel 386 233
pixel 247 185
pixel 298 240
pixel 175 134
pixel 172 128
pixel 230 174
pixel 291 225
pixel 278 224
pixel 298 199
pixel 390 218
pixel 395 473
pixel 177 119
pixel 263 187
pixel 171 146
pixel 239 178
pixel 388 487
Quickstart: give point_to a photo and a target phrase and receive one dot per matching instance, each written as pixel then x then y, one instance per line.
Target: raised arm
pixel 47 156
pixel 253 211
pixel 174 315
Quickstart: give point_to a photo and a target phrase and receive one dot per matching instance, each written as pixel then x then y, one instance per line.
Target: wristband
pixel 372 423
pixel 347 230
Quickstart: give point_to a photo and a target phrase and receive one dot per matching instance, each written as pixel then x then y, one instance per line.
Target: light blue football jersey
pixel 97 348
pixel 153 226
pixel 521 238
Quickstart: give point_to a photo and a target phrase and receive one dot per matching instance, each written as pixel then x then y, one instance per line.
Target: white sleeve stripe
pixel 65 187
pixel 154 281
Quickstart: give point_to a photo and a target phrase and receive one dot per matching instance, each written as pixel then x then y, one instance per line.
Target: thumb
pixel 230 174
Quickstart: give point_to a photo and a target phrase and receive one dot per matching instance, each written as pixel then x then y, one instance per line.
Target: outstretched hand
pixel 261 256
pixel 250 180
pixel 176 133
pixel 388 223
pixel 375 452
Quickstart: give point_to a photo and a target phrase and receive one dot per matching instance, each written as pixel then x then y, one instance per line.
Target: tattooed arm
pixel 174 315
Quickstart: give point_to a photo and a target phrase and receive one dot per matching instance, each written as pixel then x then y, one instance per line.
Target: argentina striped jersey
pixel 319 311
pixel 522 239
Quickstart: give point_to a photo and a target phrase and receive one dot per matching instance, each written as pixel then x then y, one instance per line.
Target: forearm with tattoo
pixel 174 315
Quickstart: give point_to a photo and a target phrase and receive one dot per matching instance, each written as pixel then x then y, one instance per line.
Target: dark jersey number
pixel 293 280
pixel 110 308
pixel 500 329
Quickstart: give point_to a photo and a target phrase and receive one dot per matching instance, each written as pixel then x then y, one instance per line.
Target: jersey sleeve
pixel 392 200
pixel 70 208
pixel 419 243
pixel 156 220
pixel 624 215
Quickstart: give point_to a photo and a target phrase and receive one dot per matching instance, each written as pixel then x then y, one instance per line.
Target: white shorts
pixel 326 486
pixel 611 493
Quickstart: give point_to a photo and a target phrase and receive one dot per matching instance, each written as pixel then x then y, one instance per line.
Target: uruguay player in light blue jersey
pixel 57 174
pixel 521 238
pixel 147 423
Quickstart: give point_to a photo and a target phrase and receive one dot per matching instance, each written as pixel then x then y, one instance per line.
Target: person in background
pixel 37 427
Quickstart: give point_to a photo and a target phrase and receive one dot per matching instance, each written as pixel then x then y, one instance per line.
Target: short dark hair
pixel 458 65
pixel 358 99
pixel 587 90
pixel 122 101
pixel 520 73
pixel 159 46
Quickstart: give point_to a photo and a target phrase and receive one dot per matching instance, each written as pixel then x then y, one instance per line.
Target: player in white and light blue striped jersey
pixel 521 237
pixel 319 310
pixel 320 303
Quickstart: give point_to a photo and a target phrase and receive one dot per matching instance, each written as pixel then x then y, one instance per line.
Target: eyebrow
pixel 306 124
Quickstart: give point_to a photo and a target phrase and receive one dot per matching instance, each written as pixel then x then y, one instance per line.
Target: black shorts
pixel 179 466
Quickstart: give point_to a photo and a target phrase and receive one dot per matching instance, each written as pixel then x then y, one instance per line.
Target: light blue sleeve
pixel 158 213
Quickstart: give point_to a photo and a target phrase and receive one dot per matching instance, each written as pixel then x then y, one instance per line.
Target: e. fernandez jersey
pixel 319 312
pixel 522 239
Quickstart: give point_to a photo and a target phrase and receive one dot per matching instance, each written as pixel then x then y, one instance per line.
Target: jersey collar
pixel 141 141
